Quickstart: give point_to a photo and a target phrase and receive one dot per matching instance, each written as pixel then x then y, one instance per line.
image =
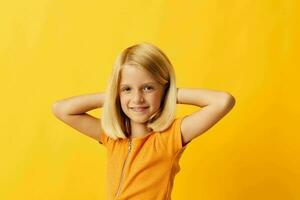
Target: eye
pixel 125 89
pixel 146 88
pixel 149 87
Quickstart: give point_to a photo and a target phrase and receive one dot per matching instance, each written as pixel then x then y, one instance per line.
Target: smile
pixel 139 109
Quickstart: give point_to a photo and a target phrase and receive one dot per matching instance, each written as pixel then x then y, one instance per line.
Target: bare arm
pixel 216 104
pixel 72 111
pixel 201 97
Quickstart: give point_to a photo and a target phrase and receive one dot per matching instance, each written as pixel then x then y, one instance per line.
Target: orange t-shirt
pixel 143 168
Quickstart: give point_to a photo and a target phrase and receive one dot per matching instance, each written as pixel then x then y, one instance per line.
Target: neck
pixel 139 130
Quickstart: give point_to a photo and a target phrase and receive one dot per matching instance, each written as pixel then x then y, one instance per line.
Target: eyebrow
pixel 142 84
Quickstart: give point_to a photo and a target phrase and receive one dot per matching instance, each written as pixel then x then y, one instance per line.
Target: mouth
pixel 139 109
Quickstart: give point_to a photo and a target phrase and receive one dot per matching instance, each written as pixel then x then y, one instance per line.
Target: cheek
pixel 121 100
pixel 124 102
pixel 157 99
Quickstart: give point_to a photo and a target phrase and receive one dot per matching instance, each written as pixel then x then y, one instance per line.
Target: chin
pixel 139 119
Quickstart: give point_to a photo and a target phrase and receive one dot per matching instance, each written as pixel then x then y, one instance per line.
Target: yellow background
pixel 52 49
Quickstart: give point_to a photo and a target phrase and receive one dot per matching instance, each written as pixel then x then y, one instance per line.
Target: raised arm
pixel 72 111
pixel 216 104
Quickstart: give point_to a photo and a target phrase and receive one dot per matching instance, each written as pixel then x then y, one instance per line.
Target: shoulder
pixel 172 136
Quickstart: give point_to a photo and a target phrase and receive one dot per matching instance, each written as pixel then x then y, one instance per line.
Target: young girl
pixel 144 140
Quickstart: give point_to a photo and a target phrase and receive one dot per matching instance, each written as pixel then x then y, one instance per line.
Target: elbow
pixel 55 108
pixel 228 100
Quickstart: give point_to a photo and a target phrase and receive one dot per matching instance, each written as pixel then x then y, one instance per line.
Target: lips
pixel 139 108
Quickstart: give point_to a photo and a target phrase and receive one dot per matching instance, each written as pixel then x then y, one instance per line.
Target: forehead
pixel 131 75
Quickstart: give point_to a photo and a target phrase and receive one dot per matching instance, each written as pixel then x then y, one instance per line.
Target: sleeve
pixel 103 139
pixel 178 135
pixel 175 140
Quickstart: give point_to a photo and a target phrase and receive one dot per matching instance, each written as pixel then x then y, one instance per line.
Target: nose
pixel 138 97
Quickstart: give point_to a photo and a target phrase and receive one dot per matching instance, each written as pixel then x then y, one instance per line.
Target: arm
pixel 72 111
pixel 216 104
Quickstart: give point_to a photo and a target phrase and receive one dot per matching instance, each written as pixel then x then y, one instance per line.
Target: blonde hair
pixel 148 57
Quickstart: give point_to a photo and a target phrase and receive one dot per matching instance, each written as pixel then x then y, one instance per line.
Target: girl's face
pixel 140 95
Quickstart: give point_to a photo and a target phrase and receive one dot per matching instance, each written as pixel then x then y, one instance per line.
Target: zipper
pixel 129 149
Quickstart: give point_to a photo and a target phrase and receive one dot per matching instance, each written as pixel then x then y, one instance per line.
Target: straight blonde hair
pixel 148 57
